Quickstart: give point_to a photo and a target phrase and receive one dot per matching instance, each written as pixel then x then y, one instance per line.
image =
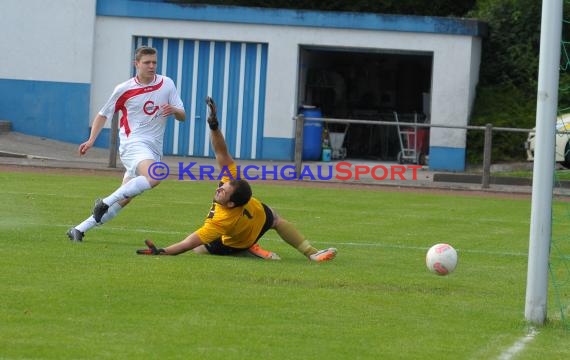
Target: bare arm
pixel 179 114
pixel 223 157
pixel 98 124
pixel 192 241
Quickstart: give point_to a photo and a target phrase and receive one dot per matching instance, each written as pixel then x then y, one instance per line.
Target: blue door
pixel 234 74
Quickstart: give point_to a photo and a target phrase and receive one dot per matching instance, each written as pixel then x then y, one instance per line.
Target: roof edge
pixel 163 9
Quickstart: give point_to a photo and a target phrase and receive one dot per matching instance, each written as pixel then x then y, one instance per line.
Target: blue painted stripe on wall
pixel 158 9
pixel 186 95
pixel 54 110
pixel 232 101
pixel 248 100
pixel 201 93
pixel 172 72
pixel 262 88
pixel 278 149
pixel 219 71
pixel 446 158
pixel 244 87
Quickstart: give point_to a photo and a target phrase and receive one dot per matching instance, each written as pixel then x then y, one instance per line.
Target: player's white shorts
pixel 133 156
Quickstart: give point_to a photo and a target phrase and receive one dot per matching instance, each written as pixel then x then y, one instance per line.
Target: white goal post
pixel 544 160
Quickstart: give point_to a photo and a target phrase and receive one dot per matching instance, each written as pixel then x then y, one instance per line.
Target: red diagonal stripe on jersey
pixel 120 104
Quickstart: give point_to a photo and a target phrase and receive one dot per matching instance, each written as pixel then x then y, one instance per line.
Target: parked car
pixel 562 141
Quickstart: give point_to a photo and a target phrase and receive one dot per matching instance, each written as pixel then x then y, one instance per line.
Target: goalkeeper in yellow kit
pixel 237 220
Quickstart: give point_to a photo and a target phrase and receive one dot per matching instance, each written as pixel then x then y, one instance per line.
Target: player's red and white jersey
pixel 141 120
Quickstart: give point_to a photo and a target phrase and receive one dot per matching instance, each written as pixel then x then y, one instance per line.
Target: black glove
pixel 213 117
pixel 152 249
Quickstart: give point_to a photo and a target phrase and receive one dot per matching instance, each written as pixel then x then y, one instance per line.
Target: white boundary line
pixel 508 354
pixel 275 238
pixel 518 346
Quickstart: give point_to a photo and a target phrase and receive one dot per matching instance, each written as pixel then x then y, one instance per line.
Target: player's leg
pixel 289 233
pixel 77 232
pixel 139 183
pixel 201 250
pixel 256 249
pixel 217 247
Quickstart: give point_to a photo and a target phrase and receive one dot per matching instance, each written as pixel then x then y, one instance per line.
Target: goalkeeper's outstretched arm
pixel 223 157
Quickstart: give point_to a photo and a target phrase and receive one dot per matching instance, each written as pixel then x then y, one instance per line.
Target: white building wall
pixel 47 41
pixel 451 90
pixel 47 62
pixel 71 56
pixel 453 86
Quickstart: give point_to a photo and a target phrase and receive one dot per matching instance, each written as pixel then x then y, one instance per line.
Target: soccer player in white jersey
pixel 145 102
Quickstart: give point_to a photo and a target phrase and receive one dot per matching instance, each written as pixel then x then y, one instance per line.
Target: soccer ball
pixel 441 259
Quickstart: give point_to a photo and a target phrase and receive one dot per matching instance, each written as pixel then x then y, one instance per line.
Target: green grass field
pixel 559 175
pixel 98 299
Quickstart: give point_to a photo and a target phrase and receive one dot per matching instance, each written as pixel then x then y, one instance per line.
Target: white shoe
pixel 323 255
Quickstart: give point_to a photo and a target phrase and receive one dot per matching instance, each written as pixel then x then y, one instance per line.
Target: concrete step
pixel 5 126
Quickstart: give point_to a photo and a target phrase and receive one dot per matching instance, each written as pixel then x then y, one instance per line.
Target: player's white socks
pixel 133 188
pixel 90 221
pixel 111 213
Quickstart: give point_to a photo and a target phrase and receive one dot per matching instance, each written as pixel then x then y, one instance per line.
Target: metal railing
pixel 488 129
pixel 299 126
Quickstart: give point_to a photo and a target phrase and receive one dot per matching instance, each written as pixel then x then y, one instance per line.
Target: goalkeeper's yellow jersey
pixel 237 227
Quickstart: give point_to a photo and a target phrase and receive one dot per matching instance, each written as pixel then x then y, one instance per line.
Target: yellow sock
pixel 293 237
